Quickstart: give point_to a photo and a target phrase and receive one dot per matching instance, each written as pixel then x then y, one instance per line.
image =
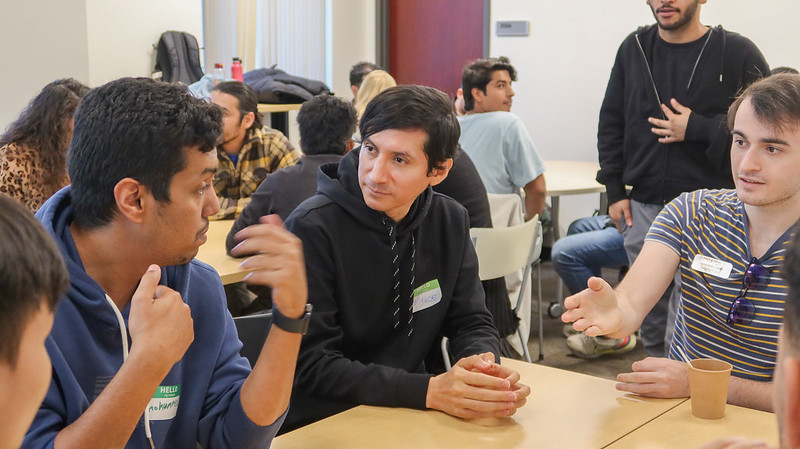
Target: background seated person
pixel 729 246
pixel 249 150
pixel 33 150
pixel 326 124
pixel 497 140
pixel 591 243
pixel 391 269
pixel 357 74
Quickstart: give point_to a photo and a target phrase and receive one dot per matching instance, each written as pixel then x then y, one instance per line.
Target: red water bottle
pixel 236 70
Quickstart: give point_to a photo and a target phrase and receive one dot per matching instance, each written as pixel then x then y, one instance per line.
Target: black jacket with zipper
pixel 362 346
pixel 630 154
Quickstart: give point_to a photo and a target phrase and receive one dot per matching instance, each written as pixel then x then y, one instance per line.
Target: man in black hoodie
pixel 391 269
pixel 662 127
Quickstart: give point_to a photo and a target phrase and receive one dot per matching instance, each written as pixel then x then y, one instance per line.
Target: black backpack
pixel 178 57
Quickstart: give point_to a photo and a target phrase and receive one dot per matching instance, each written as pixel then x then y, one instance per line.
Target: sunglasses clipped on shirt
pixel 742 310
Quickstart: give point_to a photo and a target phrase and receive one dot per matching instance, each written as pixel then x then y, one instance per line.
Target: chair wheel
pixel 555 309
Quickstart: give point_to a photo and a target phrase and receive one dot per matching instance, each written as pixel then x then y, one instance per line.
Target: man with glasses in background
pixel 729 246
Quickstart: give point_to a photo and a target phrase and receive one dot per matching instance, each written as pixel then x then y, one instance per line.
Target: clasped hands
pixel 477 387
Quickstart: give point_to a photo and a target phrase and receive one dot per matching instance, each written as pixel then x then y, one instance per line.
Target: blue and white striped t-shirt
pixel 713 223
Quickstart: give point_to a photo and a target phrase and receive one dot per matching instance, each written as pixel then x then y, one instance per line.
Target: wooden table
pixel 572 178
pixel 213 253
pixel 565 410
pixel 569 178
pixel 279 115
pixel 679 429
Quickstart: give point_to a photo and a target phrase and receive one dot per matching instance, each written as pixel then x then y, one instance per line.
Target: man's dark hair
pixel 326 124
pixel 775 101
pixel 359 71
pixel 415 107
pixel 478 73
pixel 791 313
pixel 32 274
pixel 134 128
pixel 248 100
pixel 44 127
pixel 783 69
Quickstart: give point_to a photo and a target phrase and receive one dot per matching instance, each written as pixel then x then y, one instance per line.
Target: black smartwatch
pixel 295 326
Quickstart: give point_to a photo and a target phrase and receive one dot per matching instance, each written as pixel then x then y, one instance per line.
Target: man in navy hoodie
pixel 144 352
pixel 391 269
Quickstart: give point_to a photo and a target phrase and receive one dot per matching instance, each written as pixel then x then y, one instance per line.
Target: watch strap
pixel 293 325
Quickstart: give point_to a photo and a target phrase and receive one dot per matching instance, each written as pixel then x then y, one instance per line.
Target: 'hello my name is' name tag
pixel 427 295
pixel 714 267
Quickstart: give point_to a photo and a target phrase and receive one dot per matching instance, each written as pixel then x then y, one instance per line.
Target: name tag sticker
pixel 164 404
pixel 714 267
pixel 427 295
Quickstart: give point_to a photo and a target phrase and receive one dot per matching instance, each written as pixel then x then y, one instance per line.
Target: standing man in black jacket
pixel 662 125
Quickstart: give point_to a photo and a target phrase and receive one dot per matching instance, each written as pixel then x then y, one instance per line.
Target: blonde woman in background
pixel 374 83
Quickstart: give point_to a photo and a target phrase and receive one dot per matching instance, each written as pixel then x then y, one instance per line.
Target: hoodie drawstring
pixel 123 330
pixel 396 277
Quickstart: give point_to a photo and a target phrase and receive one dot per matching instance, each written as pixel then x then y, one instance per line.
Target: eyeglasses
pixel 743 311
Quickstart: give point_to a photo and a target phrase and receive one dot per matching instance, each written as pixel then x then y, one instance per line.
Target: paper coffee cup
pixel 708 387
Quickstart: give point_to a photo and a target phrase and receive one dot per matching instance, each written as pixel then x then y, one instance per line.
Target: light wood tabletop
pixel 679 429
pixel 569 178
pixel 266 107
pixel 213 253
pixel 572 178
pixel 565 410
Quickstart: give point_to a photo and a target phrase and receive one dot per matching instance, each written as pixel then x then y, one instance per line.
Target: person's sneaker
pixel 594 347
pixel 569 331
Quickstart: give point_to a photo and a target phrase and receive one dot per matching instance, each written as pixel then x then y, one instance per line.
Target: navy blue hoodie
pixel 197 402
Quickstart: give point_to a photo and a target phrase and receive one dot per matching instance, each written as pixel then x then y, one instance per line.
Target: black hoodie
pixel 630 153
pixel 363 347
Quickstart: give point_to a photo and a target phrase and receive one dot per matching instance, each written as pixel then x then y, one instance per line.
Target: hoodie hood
pixel 339 182
pixel 56 217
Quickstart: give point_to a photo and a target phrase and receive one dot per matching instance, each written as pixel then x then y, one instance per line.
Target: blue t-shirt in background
pixel 501 149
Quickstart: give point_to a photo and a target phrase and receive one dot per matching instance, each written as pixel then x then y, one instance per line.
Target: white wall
pixel 565 62
pixel 41 41
pixel 94 41
pixel 122 34
pixel 352 40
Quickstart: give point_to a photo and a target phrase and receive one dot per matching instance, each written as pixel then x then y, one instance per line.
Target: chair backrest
pixel 506 209
pixel 505 250
pixel 253 331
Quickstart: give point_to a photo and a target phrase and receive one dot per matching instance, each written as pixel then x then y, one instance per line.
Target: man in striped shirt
pixel 728 245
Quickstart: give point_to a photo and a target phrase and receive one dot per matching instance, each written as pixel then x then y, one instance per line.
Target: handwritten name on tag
pixel 714 267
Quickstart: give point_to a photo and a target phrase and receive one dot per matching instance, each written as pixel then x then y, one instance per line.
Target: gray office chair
pixel 253 331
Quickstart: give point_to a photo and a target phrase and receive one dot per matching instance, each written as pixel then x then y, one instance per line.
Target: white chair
pixel 502 251
pixel 506 250
pixel 508 210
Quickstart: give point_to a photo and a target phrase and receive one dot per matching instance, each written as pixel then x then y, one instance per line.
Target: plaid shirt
pixel 264 152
